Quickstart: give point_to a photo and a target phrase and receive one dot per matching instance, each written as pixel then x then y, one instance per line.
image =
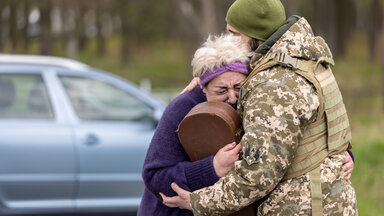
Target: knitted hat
pixel 220 54
pixel 257 19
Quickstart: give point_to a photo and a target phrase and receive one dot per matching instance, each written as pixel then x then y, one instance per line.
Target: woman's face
pixel 225 87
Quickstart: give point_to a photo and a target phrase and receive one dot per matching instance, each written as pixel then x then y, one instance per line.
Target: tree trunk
pixel 209 14
pixel 188 18
pixel 125 31
pixel 2 6
pixel 189 25
pixel 345 23
pixel 373 30
pixel 80 26
pixel 325 22
pixel 26 38
pixel 382 57
pixel 46 44
pixel 101 42
pixel 221 12
pixel 63 37
pixel 69 16
pixel 14 36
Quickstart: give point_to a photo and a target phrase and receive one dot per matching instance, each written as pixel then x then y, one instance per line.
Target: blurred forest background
pixel 152 41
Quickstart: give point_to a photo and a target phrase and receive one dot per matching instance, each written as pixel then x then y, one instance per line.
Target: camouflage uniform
pixel 276 105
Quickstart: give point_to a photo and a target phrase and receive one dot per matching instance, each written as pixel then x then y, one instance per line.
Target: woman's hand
pixel 225 158
pixel 195 82
pixel 348 166
pixel 182 200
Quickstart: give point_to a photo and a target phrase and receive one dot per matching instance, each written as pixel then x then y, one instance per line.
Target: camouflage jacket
pixel 275 105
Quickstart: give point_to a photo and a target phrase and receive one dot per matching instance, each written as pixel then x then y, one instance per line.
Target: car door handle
pixel 91 139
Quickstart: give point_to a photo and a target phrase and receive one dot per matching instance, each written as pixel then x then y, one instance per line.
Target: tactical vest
pixel 329 134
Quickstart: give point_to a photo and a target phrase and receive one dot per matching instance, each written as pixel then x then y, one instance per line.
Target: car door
pixel 37 154
pixel 114 129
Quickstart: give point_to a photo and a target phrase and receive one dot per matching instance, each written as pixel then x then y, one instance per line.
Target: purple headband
pixel 237 66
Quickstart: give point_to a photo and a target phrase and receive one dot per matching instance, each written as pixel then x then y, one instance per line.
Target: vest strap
pixel 316 192
pixel 304 65
pixel 324 59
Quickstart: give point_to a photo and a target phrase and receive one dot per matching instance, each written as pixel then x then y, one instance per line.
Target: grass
pixel 368 176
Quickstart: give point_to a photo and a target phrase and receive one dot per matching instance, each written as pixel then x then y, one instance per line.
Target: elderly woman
pixel 222 66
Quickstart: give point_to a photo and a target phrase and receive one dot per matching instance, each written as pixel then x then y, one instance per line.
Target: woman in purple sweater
pixel 222 66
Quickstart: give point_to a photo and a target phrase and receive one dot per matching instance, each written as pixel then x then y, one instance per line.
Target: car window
pixel 93 99
pixel 24 96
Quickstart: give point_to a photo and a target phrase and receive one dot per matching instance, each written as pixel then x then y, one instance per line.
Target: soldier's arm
pixel 274 112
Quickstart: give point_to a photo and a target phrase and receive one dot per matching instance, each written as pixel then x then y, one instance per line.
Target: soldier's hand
pixel 195 82
pixel 348 166
pixel 182 200
pixel 225 158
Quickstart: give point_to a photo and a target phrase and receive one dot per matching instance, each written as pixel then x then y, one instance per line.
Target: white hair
pixel 218 50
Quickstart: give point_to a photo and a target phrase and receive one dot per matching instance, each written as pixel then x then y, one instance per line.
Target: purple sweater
pixel 167 162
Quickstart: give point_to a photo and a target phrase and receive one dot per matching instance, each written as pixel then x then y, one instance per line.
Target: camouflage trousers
pixel 293 197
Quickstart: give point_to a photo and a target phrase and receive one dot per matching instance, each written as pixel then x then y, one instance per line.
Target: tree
pixel 197 19
pixel 325 21
pixel 101 40
pixel 70 21
pixel 81 25
pixel 14 34
pixel 335 21
pixel 209 17
pixel 24 30
pixel 345 24
pixel 373 29
pixel 2 6
pixel 46 40
pixel 382 56
pixel 127 13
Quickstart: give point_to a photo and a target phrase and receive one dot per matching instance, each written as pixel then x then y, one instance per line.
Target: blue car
pixel 72 138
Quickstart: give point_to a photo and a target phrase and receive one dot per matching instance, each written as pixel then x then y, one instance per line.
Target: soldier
pixel 295 124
